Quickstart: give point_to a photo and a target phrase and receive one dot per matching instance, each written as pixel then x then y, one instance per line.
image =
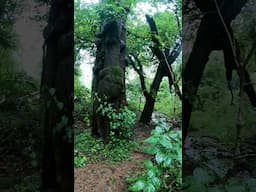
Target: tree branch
pixel 161 55
pixel 177 16
pixel 139 70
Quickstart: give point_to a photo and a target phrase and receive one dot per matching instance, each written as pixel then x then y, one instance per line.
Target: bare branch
pixel 139 70
pixel 161 55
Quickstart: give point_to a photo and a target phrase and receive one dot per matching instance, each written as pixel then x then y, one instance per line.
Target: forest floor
pixel 107 176
pixel 218 166
pixel 111 177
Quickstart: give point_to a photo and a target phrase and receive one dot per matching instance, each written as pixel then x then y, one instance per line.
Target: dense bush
pixel 82 101
pixel 121 121
pixel 91 150
pixel 163 173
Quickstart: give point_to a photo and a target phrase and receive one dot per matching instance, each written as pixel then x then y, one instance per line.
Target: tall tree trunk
pixel 165 61
pixel 150 98
pixel 108 73
pixel 57 87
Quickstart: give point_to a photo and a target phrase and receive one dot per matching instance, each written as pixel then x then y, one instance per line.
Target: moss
pixel 116 75
pixel 111 82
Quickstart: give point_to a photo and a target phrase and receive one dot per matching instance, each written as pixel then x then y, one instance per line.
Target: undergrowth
pixel 91 150
pixel 163 173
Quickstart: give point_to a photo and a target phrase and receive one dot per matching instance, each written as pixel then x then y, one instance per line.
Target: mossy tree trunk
pixel 108 73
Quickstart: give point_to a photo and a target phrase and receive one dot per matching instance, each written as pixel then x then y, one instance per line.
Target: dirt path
pixel 105 177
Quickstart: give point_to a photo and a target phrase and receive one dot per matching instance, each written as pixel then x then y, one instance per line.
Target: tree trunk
pixel 108 74
pixel 57 87
pixel 165 61
pixel 150 98
pixel 211 36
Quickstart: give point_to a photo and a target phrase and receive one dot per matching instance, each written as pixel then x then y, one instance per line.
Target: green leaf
pixel 151 140
pixel 165 142
pixel 150 173
pixel 150 188
pixel 139 185
pixel 152 150
pixel 148 164
pixel 156 182
pixel 159 157
pixel 158 130
pixel 167 161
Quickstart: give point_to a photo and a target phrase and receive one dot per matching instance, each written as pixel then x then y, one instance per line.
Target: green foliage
pixel 139 35
pixel 134 97
pixel 164 172
pixel 20 129
pixel 120 121
pixel 86 25
pixel 79 159
pixel 213 103
pixel 111 10
pixel 14 86
pixel 89 17
pixel 91 150
pixel 167 98
pixel 167 33
pixel 7 35
pixel 82 99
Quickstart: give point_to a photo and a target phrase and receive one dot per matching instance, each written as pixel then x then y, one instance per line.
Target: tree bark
pixel 57 87
pixel 150 98
pixel 109 74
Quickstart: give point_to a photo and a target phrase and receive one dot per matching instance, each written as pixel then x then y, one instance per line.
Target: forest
pixel 219 152
pixel 128 114
pixel 127 95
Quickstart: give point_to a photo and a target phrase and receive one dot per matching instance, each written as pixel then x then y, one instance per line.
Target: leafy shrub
pixel 91 150
pixel 164 172
pixel 165 98
pixel 15 90
pixel 120 121
pixel 82 102
pixel 79 159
